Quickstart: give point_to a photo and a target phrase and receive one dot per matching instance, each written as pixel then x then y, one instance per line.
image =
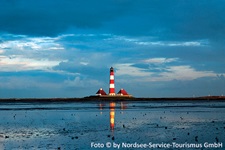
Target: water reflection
pixel 101 107
pixel 112 115
pixel 112 109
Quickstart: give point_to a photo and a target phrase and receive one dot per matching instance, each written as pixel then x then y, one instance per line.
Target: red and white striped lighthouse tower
pixel 111 82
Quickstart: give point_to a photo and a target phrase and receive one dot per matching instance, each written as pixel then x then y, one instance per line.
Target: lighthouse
pixel 112 94
pixel 111 82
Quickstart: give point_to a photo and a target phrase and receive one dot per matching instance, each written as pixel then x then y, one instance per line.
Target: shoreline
pixel 113 98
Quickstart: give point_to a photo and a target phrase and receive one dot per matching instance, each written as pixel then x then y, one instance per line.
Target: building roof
pixel 101 92
pixel 122 92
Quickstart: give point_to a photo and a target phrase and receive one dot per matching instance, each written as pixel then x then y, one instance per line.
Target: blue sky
pixel 159 48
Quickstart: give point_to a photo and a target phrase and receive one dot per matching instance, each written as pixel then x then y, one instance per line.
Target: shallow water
pixel 83 125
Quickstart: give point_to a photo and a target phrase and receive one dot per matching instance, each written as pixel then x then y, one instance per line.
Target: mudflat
pixel 92 124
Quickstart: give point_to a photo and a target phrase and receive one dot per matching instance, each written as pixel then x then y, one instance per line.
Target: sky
pixel 158 48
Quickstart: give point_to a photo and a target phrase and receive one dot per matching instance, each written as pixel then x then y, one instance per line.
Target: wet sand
pixel 78 124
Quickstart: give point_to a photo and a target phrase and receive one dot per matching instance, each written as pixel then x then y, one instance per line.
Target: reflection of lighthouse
pixel 111 82
pixel 112 115
pixel 112 109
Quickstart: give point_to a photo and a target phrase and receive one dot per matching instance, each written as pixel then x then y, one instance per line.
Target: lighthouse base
pixel 112 94
pixel 115 96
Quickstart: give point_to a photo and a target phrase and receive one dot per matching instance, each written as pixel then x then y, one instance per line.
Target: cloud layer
pixel 176 19
pixel 65 48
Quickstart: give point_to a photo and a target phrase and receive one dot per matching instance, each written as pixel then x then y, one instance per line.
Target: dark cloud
pixel 177 19
pixel 54 16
